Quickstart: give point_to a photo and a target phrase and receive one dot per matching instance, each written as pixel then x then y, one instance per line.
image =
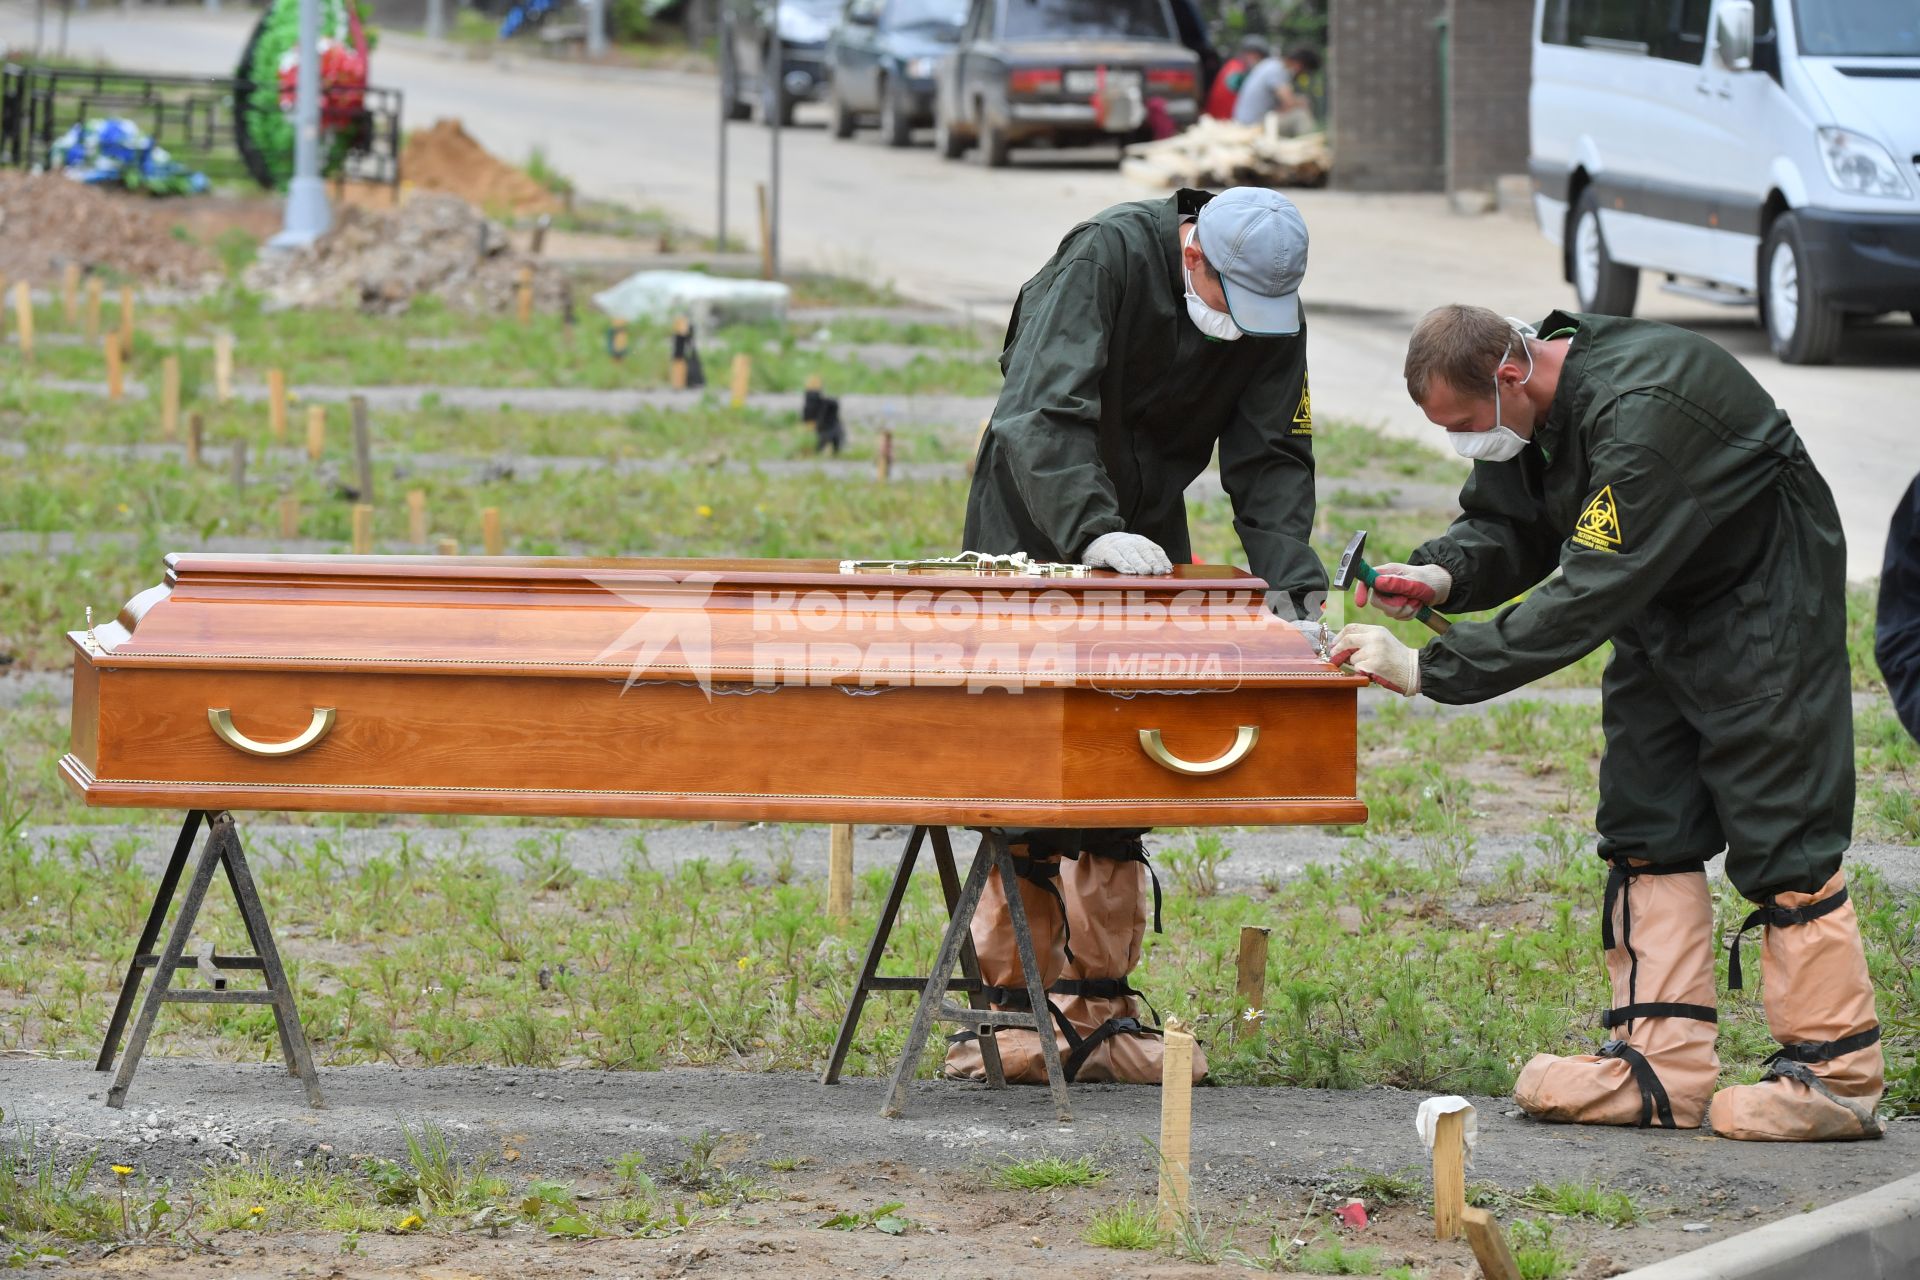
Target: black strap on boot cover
pixel 1774 915
pixel 1620 878
pixel 1129 849
pixel 1871 1126
pixel 1045 872
pixel 1102 989
pixel 1653 1094
pixel 1811 1051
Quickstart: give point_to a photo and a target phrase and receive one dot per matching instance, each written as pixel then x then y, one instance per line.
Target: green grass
pixel 1046 1173
pixel 1537 1254
pixel 1583 1200
pixel 1336 1258
pixel 1130 1225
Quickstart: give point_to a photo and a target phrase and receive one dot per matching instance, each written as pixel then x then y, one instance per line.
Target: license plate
pixel 1087 81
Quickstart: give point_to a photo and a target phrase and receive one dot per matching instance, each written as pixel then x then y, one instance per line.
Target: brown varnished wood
pixel 499 686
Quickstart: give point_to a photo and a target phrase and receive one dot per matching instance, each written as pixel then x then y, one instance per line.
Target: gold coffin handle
pixel 222 721
pixel 1243 743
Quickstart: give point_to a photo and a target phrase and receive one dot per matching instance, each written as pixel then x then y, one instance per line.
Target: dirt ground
pixel 1260 1156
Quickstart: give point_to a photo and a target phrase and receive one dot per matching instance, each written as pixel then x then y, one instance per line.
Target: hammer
pixel 1354 565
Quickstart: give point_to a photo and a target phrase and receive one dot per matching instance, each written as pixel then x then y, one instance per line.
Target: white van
pixel 1747 150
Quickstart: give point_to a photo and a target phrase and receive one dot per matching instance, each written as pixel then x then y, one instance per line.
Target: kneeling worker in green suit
pixel 1690 528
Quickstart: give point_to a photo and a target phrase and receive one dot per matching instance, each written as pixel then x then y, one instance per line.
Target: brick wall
pixel 1383 94
pixel 1487 115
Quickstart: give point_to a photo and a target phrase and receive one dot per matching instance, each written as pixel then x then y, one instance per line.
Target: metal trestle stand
pixel 956 947
pixel 222 851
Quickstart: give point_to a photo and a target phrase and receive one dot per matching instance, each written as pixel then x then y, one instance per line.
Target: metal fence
pixel 196 118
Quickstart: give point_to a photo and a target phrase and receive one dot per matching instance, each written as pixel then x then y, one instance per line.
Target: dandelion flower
pixel 412 1222
pixel 744 963
pixel 704 511
pixel 122 1170
pixel 256 1211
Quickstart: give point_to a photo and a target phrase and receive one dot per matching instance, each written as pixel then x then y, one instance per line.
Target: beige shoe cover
pixel 1815 980
pixel 992 928
pixel 1107 909
pixel 1666 921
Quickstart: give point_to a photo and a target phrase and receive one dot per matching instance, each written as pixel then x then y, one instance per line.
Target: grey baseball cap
pixel 1257 241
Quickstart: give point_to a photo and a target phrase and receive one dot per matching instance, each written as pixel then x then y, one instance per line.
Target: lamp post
pixel 307 216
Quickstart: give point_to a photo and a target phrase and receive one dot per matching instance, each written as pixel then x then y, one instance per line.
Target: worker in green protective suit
pixel 1690 528
pixel 1159 331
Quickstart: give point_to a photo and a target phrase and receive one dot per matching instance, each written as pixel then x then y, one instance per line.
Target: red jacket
pixel 1226 87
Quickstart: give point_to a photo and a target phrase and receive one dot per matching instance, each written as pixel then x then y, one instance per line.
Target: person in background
pixel 1273 88
pixel 1233 73
pixel 1896 645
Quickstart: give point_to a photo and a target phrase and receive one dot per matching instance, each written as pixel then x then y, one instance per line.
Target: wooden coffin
pixel 785 690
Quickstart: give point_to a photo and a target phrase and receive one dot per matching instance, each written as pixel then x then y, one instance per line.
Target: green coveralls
pixel 1691 529
pixel 1113 404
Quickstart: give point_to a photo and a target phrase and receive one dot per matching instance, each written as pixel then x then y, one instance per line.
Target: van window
pixel 1683 30
pixel 1858 28
pixel 1626 26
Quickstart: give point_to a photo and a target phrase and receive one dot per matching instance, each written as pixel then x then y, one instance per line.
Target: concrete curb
pixel 1874 1236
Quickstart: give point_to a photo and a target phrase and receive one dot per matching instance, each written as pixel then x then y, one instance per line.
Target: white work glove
pixel 1399 590
pixel 1315 631
pixel 1378 655
pixel 1127 553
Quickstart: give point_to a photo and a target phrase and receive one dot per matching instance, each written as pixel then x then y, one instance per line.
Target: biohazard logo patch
pixel 1303 416
pixel 1598 528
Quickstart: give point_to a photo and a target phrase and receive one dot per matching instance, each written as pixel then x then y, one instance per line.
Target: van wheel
pixel 1802 326
pixel 896 117
pixel 1603 286
pixel 840 113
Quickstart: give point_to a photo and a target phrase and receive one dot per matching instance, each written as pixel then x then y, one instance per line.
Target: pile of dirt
pixel 381 261
pixel 48 220
pixel 446 159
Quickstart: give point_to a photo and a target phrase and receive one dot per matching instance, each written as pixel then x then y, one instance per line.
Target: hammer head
pixel 1351 562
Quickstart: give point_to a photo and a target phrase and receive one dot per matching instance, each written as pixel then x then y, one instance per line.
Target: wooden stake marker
pixel 362 529
pixel 742 378
pixel 289 516
pixel 110 346
pixel 316 431
pixel 170 398
pixel 126 319
pixel 239 465
pixel 196 435
pixel 448 547
pixel 93 309
pixel 1176 1125
pixel 490 530
pixel 1251 982
pixel 362 447
pixel 23 311
pixel 70 295
pixel 1449 1174
pixel 840 870
pixel 677 371
pixel 223 367
pixel 417 517
pixel 277 403
pixel 1490 1246
pixel 523 297
pixel 883 457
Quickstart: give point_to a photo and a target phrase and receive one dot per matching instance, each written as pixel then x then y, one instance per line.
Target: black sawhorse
pixel 223 852
pixel 956 946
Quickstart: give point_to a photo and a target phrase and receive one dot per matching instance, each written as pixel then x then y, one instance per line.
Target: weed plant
pixel 1047 1173
pixel 1130 1225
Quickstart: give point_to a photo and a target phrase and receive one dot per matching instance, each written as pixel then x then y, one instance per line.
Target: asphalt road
pixel 961 235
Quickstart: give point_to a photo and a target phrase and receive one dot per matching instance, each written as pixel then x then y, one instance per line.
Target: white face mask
pixel 1217 325
pixel 1502 443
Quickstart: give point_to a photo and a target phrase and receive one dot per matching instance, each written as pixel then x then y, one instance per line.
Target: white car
pixel 1747 150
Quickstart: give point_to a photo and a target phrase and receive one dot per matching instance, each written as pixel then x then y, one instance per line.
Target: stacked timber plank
pixel 1220 153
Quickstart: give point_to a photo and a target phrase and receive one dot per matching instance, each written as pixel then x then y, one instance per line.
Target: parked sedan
pixel 747 32
pixel 880 63
pixel 1065 72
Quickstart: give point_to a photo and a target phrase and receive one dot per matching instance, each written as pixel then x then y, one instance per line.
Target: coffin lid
pixel 713 622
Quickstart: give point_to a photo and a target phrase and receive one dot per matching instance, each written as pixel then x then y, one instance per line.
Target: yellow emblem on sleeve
pixel 1303 416
pixel 1598 528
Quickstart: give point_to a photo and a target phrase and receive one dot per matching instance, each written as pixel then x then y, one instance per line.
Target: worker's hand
pixel 1127 553
pixel 1401 590
pixel 1375 653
